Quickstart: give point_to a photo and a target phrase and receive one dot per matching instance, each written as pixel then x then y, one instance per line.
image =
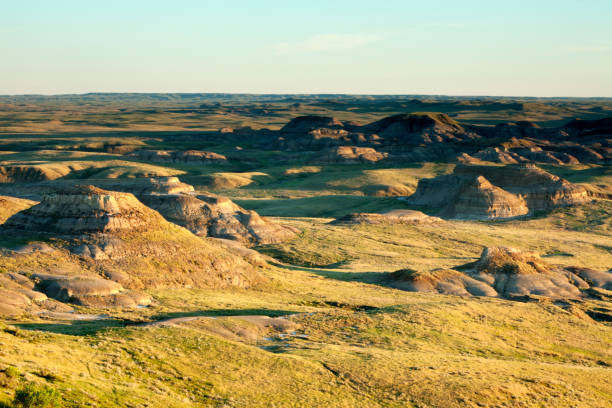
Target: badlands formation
pixel 203 214
pixel 95 229
pixel 321 250
pixel 508 273
pixel 489 192
pixel 437 137
pixel 219 217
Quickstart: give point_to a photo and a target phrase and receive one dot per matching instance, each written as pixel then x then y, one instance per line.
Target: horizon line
pixel 302 94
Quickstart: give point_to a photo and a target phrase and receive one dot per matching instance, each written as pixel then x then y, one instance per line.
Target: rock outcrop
pixel 479 199
pixel 85 209
pixel 215 216
pixel 444 281
pixel 117 231
pixel 391 217
pixel 498 155
pixel 17 295
pixel 40 294
pixel 504 272
pixel 89 291
pixel 141 186
pixel 486 192
pixel 394 132
pixel 312 133
pixel 431 136
pixel 204 215
pixel 350 154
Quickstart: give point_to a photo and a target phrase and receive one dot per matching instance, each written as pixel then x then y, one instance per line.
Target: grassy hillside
pixel 356 344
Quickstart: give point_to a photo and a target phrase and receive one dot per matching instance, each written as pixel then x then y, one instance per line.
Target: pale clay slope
pixel 115 232
pixel 489 192
pixel 505 272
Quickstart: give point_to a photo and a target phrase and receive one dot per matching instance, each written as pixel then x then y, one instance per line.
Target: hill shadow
pixel 375 278
pixel 93 327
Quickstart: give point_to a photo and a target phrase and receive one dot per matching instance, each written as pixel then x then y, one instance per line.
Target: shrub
pixel 11 372
pixel 36 396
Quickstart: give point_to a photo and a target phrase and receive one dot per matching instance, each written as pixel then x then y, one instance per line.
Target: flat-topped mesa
pixel 540 189
pixel 527 175
pixel 85 209
pixel 488 192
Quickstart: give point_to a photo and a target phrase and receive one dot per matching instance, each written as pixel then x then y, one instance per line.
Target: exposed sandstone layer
pixel 479 199
pixel 118 232
pixel 505 272
pixel 85 209
pixel 140 186
pixel 530 154
pixel 214 216
pixel 205 215
pixel 497 155
pixel 482 192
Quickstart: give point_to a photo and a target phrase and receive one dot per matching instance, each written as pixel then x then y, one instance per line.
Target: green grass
pixel 405 349
pixel 365 248
pixel 320 206
pixel 358 342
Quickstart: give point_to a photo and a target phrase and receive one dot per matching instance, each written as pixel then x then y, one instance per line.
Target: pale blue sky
pixel 531 48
